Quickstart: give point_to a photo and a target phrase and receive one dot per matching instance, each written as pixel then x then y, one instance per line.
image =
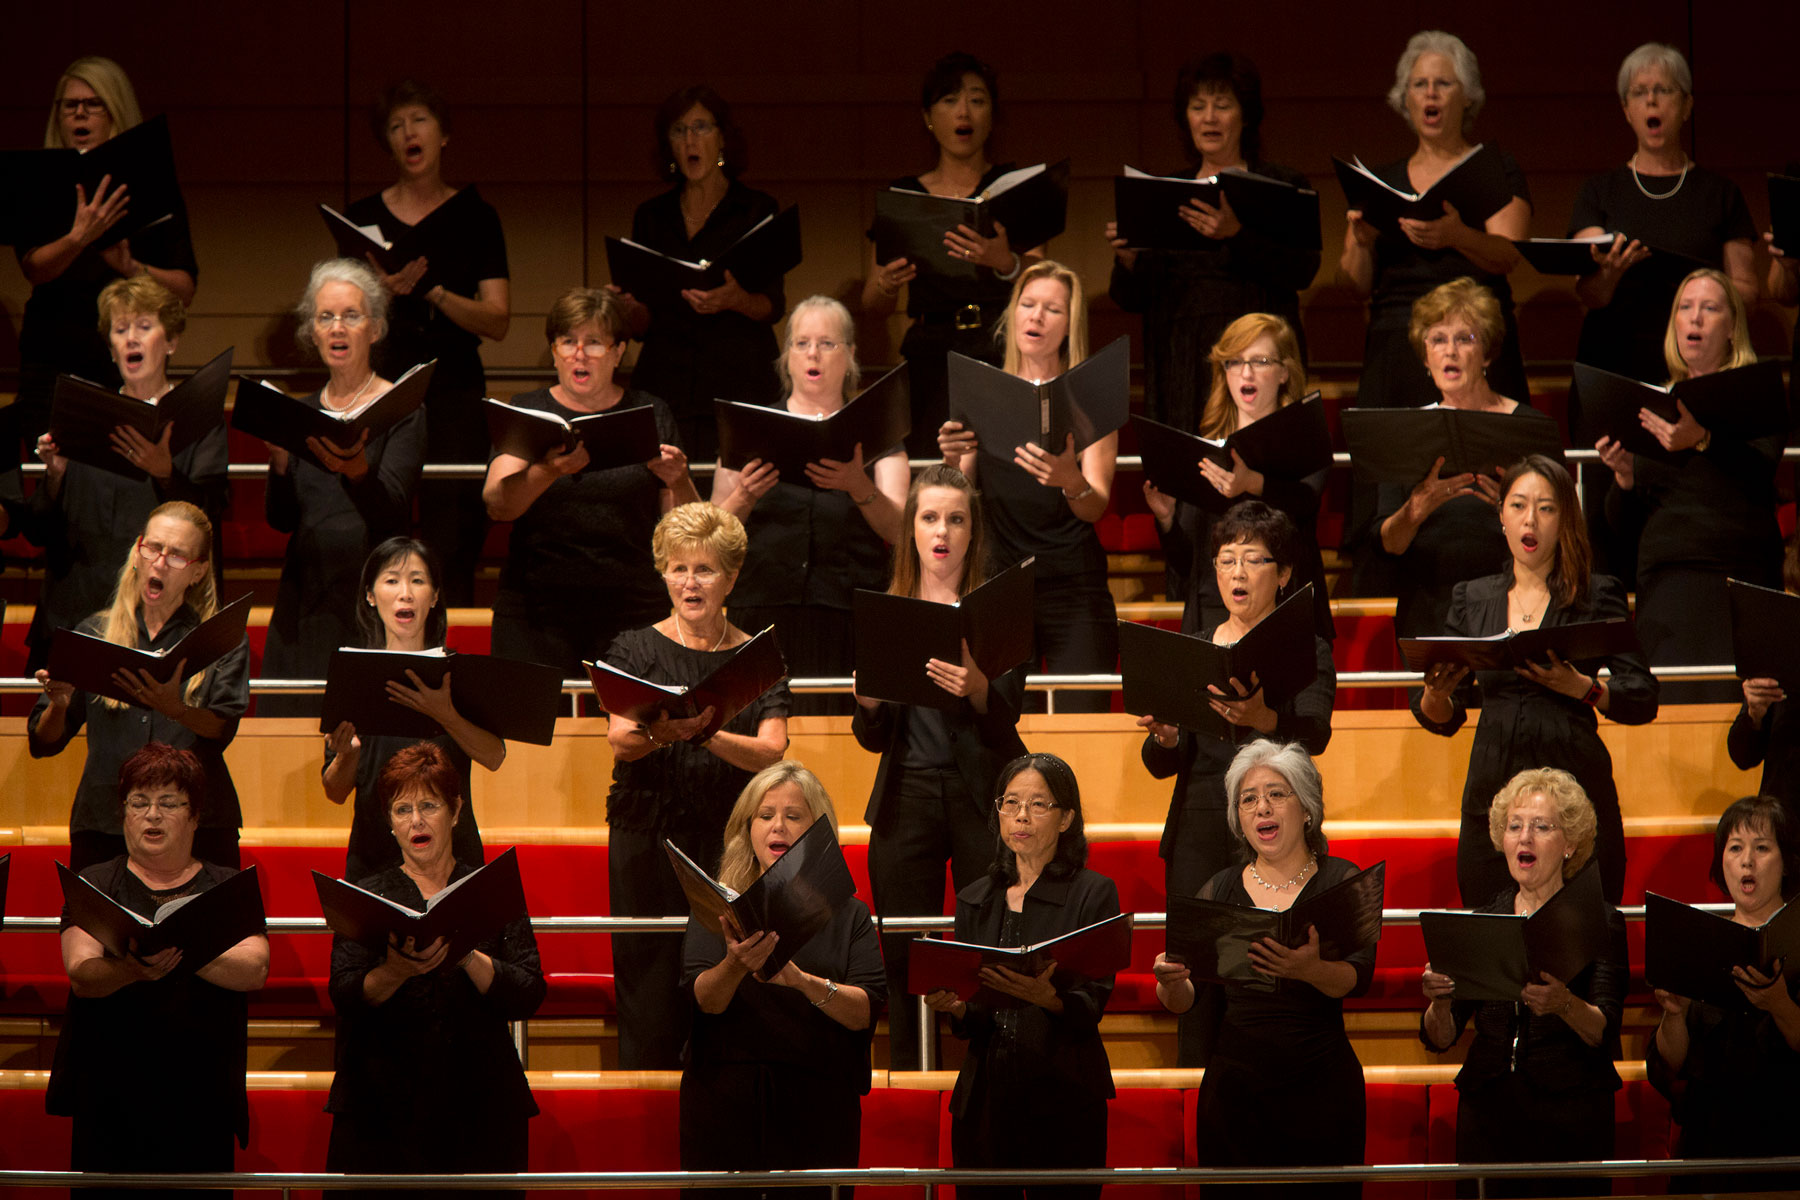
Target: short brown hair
pixel 579 305
pixel 704 525
pixel 142 294
pixel 401 94
pixel 1574 811
pixel 1461 297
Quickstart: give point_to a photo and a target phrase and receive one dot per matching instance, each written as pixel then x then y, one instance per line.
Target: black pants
pixel 1200 853
pixel 1077 633
pixel 132 1146
pixel 741 1116
pixel 654 1014
pixel 928 817
pixel 87 847
pixel 1680 619
pixel 815 641
pixel 1067 1131
pixel 453 521
pixel 926 349
pixel 1514 1122
pixel 438 1137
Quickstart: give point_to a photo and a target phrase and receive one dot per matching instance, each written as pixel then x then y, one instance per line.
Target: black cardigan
pixel 982 742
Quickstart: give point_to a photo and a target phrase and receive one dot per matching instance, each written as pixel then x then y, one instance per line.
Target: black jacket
pixel 982 742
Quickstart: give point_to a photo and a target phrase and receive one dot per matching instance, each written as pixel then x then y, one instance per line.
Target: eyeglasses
pixel 1259 363
pixel 1011 806
pixel 681 129
pixel 681 576
pixel 138 807
pixel 822 345
pixel 424 808
pixel 351 319
pixel 89 104
pixel 1540 828
pixel 590 347
pixel 1661 91
pixel 1438 341
pixel 1250 562
pixel 1276 796
pixel 155 550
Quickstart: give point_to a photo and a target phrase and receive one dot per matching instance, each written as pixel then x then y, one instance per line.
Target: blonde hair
pixel 846 334
pixel 738 868
pixel 1074 347
pixel 142 293
pixel 1221 415
pixel 1742 355
pixel 110 83
pixel 1461 297
pixel 1574 811
pixel 700 524
pixel 121 624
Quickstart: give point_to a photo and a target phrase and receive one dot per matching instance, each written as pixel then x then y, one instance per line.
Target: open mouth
pixel 1241 594
pixel 1526 859
pixel 154 834
pixel 81 133
pixel 1652 123
pixel 420 840
pixel 777 849
pixel 134 358
pixel 1529 541
pixel 693 160
pixel 153 588
pixel 403 615
pixel 579 375
pixel 414 152
pixel 1432 112
pixel 1247 393
pixel 338 346
pixel 814 373
pixel 941 550
pixel 965 130
pixel 1266 830
pixel 1747 885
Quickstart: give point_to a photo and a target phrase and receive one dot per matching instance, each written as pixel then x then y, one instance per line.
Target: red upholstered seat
pixel 570 881
pixel 33 1140
pixel 899 1129
pixel 1366 643
pixel 1147 1127
pixel 1138 871
pixel 1397 1125
pixel 31 971
pixel 289 1131
pixel 607 1130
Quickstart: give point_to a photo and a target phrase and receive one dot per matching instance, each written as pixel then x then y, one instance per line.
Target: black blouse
pixel 1775 747
pixel 809 546
pixel 1733 1095
pixel 1025 518
pixel 1404 272
pixel 1715 510
pixel 933 294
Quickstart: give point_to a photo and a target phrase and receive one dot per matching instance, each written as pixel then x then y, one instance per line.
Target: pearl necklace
pixel 1311 862
pixel 354 396
pixel 1686 163
pixel 715 645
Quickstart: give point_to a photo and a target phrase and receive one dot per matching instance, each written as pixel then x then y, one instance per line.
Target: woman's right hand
pixel 1161 504
pixel 1759 695
pixel 60 693
pixel 1120 247
pixel 54 463
pixel 1442 679
pixel 94 217
pixel 154 967
pixel 956 443
pixel 757 478
pixel 944 1000
pixel 1166 735
pixel 1671 1004
pixel 1620 256
pixel 1168 972
pixel 1359 230
pixel 343 742
pixel 666 729
pixel 403 281
pixel 1439 989
pixel 890 277
pixel 1617 459
pixel 568 462
pixel 1435 490
pixel 405 960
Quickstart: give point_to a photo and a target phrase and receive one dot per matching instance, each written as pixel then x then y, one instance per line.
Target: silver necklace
pixel 354 396
pixel 683 637
pixel 1685 164
pixel 1311 862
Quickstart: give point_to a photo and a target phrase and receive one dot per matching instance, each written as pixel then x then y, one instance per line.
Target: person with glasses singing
pixel 578 570
pixel 1254 552
pixel 344 498
pixel 155 1030
pixel 1545 714
pixel 1270 1038
pixel 815 541
pixel 94 103
pixel 1042 1061
pixel 671 780
pixel 428 1076
pixel 164 592
pixel 1538 1080
pixel 718 343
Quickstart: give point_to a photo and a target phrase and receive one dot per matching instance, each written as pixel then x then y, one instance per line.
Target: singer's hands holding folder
pixel 1121 248
pixel 1759 696
pixel 967 244
pixel 1247 710
pixel 1618 460
pixel 669 466
pixel 1235 482
pixel 159 695
pixel 1209 222
pixel 1442 233
pixel 403 281
pixel 1557 675
pixel 964 680
pixel 1683 433
pixel 1033 989
pixel 54 463
pixel 421 697
pixel 94 217
pixel 957 444
pixel 153 458
pixel 729 296
pixel 349 461
pixel 1052 470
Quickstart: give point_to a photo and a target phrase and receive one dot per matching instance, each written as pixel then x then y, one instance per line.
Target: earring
pixel 1568 854
pixel 673 169
pixel 721 161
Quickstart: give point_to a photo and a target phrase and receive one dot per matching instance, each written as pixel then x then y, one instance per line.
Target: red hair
pixel 420 767
pixel 161 765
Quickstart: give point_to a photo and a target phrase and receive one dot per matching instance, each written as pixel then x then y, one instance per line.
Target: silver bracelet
pixel 831 989
pixel 1018 265
pixel 1078 497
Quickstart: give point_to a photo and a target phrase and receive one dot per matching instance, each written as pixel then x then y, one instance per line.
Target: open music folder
pixel 768 250
pixel 202 926
pixel 1093 952
pixel 90 662
pixel 1581 641
pixel 1492 956
pixel 1471 186
pixel 265 411
pixel 795 898
pixel 1089 401
pixel 1691 952
pixel 1763 624
pixel 877 420
pixel 37 187
pixel 1213 939
pixel 734 684
pixel 1743 403
pixel 83 416
pixel 1399 445
pixel 468 912
pixel 1147 208
pixel 895 635
pixel 1290 443
pixel 514 700
pixel 1032 203
pixel 618 437
pixel 423 240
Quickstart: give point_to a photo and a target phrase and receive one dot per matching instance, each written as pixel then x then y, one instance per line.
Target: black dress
pixel 1530 1090
pixel 333 521
pixel 1733 1096
pixel 372 845
pixel 430 1081
pixel 810 550
pixel 932 802
pixel 578 570
pixel 1775 746
pixel 948 313
pixel 466 245
pixel 92 524
pixel 691 359
pixel 1188 297
pixel 115 734
pixel 1268 1043
pixel 1020 1056
pixel 1187 547
pixel 682 792
pixel 1706 520
pixel 771 1055
pixel 106 1066
pixel 1526 725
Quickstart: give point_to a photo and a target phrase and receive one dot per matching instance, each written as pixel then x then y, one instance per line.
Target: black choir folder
pixel 1564 256
pixel 514 700
pixel 1492 956
pixel 420 241
pixel 1742 403
pixel 1166 673
pixel 202 926
pixel 37 187
pixel 1763 645
pixel 1399 445
pixel 895 635
pixel 1690 951
pixel 265 411
pixel 1031 202
pixel 877 420
pixel 753 669
pixel 1090 401
pixel 618 437
pixel 794 899
pixel 1146 209
pixel 83 416
pixel 1213 938
pixel 467 913
pixel 769 250
pixel 1094 952
pixel 90 662
pixel 1784 213
pixel 1582 641
pixel 1290 443
pixel 1471 187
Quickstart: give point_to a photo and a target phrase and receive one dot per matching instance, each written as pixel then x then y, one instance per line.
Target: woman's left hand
pixel 669 465
pixel 349 461
pixel 1559 676
pixel 748 954
pixel 835 476
pixel 1052 470
pixel 727 297
pixel 1272 958
pixel 1443 233
pixel 152 458
pixel 1217 223
pixel 145 690
pixel 1247 709
pixel 1033 989
pixel 967 245
pixel 962 679
pixel 669 729
pixel 434 702
pixel 1235 482
pixel 1684 433
pixel 1766 992
pixel 1549 998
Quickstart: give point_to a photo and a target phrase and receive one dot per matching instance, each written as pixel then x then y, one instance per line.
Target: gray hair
pixel 1648 57
pixel 340 270
pixel 1290 761
pixel 1468 72
pixel 846 334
